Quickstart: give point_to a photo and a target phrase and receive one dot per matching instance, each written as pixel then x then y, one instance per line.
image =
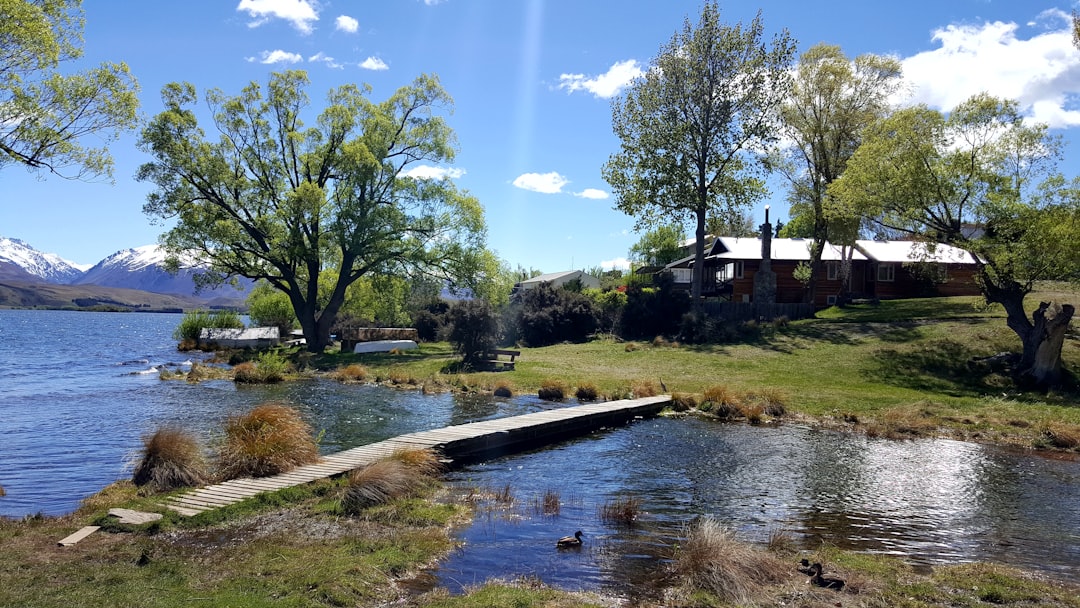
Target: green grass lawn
pixel 861 363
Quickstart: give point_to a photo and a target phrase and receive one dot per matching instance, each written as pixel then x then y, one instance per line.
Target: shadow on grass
pixel 427 351
pixel 937 366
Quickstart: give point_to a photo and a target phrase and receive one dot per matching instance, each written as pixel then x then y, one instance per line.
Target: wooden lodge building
pixel 879 270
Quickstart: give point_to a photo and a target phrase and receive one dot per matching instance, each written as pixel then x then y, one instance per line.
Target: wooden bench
pixel 495 361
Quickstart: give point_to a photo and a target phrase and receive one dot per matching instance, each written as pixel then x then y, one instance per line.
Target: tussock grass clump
pixel 586 391
pixel 353 373
pixel 681 402
pixel 904 423
pixel 780 541
pixel 268 368
pixel 772 401
pixel 715 560
pixel 721 401
pixel 171 458
pixel 623 510
pixel 1061 435
pixel 645 388
pixel 376 484
pixel 552 390
pixel 630 347
pixel 503 389
pixel 753 411
pixel 246 373
pixel 550 503
pixel 269 440
pixel 422 462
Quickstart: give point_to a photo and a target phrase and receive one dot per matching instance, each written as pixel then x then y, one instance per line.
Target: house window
pixel 739 269
pixel 886 273
pixel 830 300
pixel 832 270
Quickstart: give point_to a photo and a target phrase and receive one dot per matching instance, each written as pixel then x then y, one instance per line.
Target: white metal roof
pixel 782 249
pixel 912 251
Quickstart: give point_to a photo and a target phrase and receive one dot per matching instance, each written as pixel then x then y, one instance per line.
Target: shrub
pixel 351 373
pixel 551 390
pixel 268 368
pixel 474 329
pixel 713 559
pixel 271 307
pixel 171 458
pixel 653 311
pixel 608 305
pixel 192 324
pixel 623 510
pixel 548 315
pixel 269 440
pixel 586 391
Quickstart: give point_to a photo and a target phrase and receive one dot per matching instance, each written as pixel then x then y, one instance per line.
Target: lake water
pixel 79 390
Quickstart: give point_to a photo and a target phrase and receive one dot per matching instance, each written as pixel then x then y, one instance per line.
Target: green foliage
pixel 474 329
pixel 193 323
pixel 690 127
pixel 430 321
pixel 659 246
pixel 608 305
pixel 269 307
pixel 297 203
pixel 548 315
pixel 653 312
pixel 48 115
pixel 802 273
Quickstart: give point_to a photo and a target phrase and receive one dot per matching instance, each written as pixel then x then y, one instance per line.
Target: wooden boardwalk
pixel 460 443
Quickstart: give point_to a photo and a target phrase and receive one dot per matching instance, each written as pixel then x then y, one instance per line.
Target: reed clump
pixel 715 560
pixel 552 390
pixel 586 391
pixel 550 503
pixel 171 458
pixel 644 388
pixel 622 510
pixel 681 402
pixel 269 440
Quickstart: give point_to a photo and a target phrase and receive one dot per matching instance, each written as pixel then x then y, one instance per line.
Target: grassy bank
pixel 897 369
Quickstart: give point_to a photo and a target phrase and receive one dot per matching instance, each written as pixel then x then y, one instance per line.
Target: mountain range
pixel 32 278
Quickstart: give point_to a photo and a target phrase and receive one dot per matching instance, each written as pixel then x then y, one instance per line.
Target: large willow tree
pixel 47 115
pixel 983 180
pixel 692 127
pixel 271 199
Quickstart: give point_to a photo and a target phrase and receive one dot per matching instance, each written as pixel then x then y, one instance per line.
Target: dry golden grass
pixel 504 389
pixel 721 401
pixel 354 373
pixel 644 388
pixel 630 347
pixel 623 510
pixel 681 402
pixel 715 560
pixel 551 503
pixel 552 390
pixel 903 423
pixel 1062 435
pixel 171 458
pixel 246 372
pixel 269 440
pixel 385 480
pixel 771 399
pixel 586 391
pixel 423 462
pixel 753 411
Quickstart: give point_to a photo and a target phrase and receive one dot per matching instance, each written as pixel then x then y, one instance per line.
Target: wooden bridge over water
pixel 460 443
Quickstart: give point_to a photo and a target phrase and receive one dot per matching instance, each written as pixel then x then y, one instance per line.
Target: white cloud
pixel 429 172
pixel 322 57
pixel 616 264
pixel 592 193
pixel 606 85
pixel 277 56
pixel 1041 72
pixel 346 23
pixel 374 63
pixel 300 13
pixel 545 183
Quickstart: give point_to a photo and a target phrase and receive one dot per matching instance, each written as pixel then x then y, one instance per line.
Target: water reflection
pixel 927 501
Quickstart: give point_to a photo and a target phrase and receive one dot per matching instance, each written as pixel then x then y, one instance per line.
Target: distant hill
pixel 14 294
pixel 31 278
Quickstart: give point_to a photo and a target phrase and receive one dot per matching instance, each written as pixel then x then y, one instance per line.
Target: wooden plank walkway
pixel 460 443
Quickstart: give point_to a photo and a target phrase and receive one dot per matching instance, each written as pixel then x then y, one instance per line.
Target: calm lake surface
pixel 78 390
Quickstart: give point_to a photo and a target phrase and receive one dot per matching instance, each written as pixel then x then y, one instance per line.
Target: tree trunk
pixel 698 276
pixel 1044 342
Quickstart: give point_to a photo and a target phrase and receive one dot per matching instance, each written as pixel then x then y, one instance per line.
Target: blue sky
pixel 532 82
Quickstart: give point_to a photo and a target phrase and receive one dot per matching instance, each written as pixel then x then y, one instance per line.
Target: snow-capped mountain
pixel 143 268
pixel 22 262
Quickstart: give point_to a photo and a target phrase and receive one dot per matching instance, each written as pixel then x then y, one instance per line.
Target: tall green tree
pixel 832 99
pixel 46 115
pixel 690 128
pixel 982 180
pixel 659 246
pixel 274 200
pixel 738 223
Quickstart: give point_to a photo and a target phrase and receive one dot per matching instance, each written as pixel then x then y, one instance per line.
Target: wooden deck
pixel 461 443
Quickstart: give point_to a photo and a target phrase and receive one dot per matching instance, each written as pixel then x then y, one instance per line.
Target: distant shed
pixel 252 337
pixel 558 279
